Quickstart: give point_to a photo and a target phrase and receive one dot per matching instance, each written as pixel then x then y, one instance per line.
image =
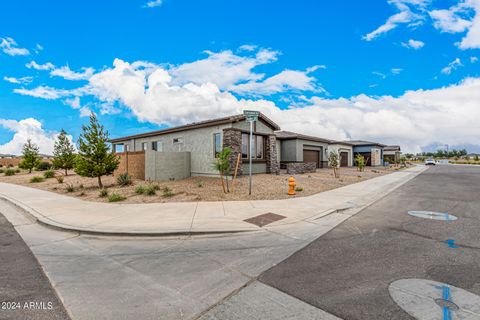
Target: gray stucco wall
pixel 288 150
pixel 164 166
pixel 292 150
pixel 260 126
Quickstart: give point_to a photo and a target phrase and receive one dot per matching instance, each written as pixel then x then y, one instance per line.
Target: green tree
pixel 360 162
pixel 333 160
pixel 94 156
pixel 31 157
pixel 475 157
pixel 63 153
pixel 222 165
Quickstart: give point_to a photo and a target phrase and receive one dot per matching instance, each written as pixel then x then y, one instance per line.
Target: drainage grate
pixel 433 215
pixel 264 219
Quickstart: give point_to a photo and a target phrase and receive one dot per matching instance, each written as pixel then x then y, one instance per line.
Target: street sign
pixel 251 115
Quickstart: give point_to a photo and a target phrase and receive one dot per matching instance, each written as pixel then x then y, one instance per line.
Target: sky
pixel 403 72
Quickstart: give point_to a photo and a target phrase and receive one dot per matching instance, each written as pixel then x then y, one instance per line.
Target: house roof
pixel 358 143
pixel 392 148
pixel 196 125
pixel 287 135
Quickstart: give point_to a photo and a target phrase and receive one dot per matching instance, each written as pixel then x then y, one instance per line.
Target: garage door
pixel 343 159
pixel 311 156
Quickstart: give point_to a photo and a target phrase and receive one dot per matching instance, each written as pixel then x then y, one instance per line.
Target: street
pixel 347 272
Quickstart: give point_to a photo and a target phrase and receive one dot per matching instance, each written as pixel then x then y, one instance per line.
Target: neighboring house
pixel 299 148
pixel 371 151
pixel 392 154
pixel 179 152
pixel 345 152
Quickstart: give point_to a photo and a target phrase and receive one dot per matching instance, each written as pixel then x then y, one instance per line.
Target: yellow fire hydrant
pixel 291 186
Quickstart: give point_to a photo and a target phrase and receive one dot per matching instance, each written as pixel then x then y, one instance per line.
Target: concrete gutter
pixel 195 218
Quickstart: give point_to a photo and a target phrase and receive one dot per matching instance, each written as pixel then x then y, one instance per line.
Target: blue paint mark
pixel 451 243
pixel 447 315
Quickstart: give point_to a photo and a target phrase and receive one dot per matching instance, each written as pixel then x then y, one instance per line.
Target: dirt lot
pixel 265 186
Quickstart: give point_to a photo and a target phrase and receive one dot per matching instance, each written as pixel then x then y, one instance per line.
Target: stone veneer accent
pixel 273 166
pixel 232 138
pixel 301 167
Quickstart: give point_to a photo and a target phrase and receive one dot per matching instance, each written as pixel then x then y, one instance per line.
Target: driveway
pixel 348 271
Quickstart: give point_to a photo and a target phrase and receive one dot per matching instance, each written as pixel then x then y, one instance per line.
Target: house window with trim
pixel 144 146
pixel 217 144
pixel 258 146
pixel 154 145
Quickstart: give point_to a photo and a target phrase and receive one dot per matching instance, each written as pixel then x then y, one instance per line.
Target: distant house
pixel 345 152
pixel 190 150
pixel 392 154
pixel 371 151
pixel 295 147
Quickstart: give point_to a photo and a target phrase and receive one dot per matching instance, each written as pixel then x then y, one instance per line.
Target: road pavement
pixel 347 272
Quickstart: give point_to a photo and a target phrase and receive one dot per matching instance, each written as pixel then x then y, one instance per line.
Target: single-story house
pixel 392 154
pixel 344 150
pixel 190 150
pixel 371 151
pixel 299 148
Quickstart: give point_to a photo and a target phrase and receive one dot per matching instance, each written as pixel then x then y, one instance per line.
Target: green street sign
pixel 251 115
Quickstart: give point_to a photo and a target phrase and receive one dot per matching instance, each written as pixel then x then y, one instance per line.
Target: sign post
pixel 251 116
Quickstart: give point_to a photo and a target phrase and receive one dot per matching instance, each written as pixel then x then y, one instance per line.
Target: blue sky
pixel 398 71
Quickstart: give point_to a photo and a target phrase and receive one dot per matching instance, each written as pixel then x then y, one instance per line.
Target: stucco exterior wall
pixel 342 148
pixel 292 150
pixel 371 148
pixel 259 125
pixel 165 166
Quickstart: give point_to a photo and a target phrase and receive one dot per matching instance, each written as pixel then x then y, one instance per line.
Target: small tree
pixel 360 162
pixel 31 158
pixel 94 157
pixel 403 161
pixel 63 153
pixel 476 157
pixel 333 160
pixel 222 165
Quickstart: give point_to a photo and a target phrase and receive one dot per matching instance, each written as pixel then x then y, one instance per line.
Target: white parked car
pixel 430 162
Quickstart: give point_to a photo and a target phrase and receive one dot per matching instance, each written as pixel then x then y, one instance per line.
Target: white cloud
pixel 27 129
pixel 449 21
pixel 379 74
pixel 22 80
pixel 33 65
pixel 247 47
pixel 153 4
pixel 455 64
pixel 44 92
pixel 472 38
pixel 396 70
pixel 413 44
pixel 10 47
pixel 66 73
pixel 223 69
pixel 404 16
pixel 473 59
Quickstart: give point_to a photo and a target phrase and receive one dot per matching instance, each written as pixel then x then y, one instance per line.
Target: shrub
pixel 167 192
pixel 44 165
pixel 156 187
pixel 70 188
pixel 114 197
pixel 103 193
pixel 140 189
pixel 1 165
pixel 2 171
pixel 124 179
pixel 18 170
pixel 299 189
pixel 82 193
pixel 37 179
pixel 150 190
pixel 199 184
pixel 60 179
pixel 49 174
pixel 81 186
pixel 9 172
pixel 10 166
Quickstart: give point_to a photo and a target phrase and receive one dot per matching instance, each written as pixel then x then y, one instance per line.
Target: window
pixel 119 148
pixel 178 140
pixel 127 148
pixel 258 146
pixel 160 146
pixel 144 146
pixel 217 144
pixel 154 145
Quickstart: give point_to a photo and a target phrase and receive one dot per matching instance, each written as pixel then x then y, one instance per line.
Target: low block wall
pixel 165 166
pixel 301 167
pixel 5 162
pixel 133 163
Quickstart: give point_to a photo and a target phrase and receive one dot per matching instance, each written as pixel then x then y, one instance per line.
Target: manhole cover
pixel 427 299
pixel 433 215
pixel 264 219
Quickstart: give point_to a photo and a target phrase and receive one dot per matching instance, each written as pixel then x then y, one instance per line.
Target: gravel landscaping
pixel 265 186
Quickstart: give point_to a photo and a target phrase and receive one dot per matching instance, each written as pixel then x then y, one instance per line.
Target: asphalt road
pixel 25 292
pixel 347 271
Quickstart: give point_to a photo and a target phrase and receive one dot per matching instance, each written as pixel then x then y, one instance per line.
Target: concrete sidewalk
pixel 73 214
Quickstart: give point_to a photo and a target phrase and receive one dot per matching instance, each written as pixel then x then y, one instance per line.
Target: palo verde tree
pixel 333 160
pixel 30 155
pixel 94 156
pixel 63 153
pixel 222 165
pixel 360 162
